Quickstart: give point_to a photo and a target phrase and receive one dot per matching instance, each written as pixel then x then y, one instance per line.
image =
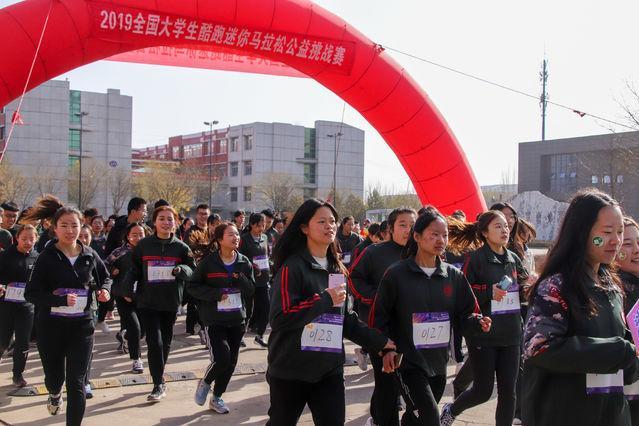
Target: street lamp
pixel 211 124
pixel 336 135
pixel 81 115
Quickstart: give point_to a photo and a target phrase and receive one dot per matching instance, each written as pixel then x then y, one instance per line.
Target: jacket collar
pixel 169 240
pixel 84 250
pixel 439 268
pixel 492 257
pixel 218 259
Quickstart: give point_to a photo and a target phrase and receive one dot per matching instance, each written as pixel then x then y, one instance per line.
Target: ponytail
pixel 50 207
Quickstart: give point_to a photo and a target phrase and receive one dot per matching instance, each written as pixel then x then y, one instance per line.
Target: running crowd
pixel 408 291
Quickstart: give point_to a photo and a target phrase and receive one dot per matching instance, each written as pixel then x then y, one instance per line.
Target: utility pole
pixel 543 100
pixel 81 115
pixel 335 136
pixel 211 124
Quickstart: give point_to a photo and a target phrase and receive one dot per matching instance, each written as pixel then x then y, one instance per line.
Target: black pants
pixel 634 412
pixel 65 348
pixel 130 322
pixel 261 304
pixel 325 399
pixel 104 307
pixel 421 393
pixel 520 375
pixel 192 317
pixel 488 361
pixel 158 326
pixel 457 342
pixel 384 398
pixel 224 347
pixel 16 318
pixel 464 377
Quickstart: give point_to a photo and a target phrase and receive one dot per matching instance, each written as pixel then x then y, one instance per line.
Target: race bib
pixel 604 383
pixel 509 304
pixel 160 271
pixel 71 311
pixel 324 334
pixel 15 292
pixel 632 391
pixel 346 257
pixel 261 262
pixel 336 280
pixel 431 330
pixel 232 303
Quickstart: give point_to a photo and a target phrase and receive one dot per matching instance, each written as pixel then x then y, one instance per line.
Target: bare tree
pixel 93 176
pixel 14 186
pixel 171 183
pixel 119 188
pixel 47 181
pixel 279 192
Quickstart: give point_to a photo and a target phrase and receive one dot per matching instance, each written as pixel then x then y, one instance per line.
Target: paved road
pixel 247 396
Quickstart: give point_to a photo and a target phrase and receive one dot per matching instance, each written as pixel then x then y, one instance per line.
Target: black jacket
pixel 299 298
pixel 15 267
pixel 482 270
pixel 405 292
pixel 346 245
pixel 631 288
pixel 562 345
pixel 6 239
pixel 358 249
pixel 367 272
pixel 164 294
pixel 119 259
pixel 116 235
pixel 211 280
pixel 53 271
pixel 251 248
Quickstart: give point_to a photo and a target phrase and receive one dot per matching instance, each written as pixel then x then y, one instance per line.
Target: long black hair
pixel 568 255
pixel 293 240
pixel 428 216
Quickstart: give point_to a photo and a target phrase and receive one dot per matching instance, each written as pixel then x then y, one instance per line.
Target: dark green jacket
pixel 298 298
pixel 482 270
pixel 211 280
pixel 165 295
pixel 251 248
pixel 405 291
pixel 562 345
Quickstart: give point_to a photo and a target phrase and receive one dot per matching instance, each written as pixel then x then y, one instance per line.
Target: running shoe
pixel 516 421
pixel 201 333
pixel 103 327
pixel 157 394
pixel 218 405
pixel 54 404
pixel 138 367
pixel 361 358
pixel 446 418
pixel 259 340
pixel 19 381
pixel 201 392
pixel 120 338
pixel 88 391
pixel 110 316
pixel 370 422
pixel 242 343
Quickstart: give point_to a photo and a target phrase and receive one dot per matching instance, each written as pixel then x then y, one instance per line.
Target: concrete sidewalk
pixel 247 396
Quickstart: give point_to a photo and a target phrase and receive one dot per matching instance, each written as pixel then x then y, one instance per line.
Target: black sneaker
pixel 19 381
pixel 259 340
pixel 157 394
pixel 242 343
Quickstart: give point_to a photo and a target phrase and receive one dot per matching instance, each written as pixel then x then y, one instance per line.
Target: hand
pixel 103 296
pixel 389 362
pixel 128 299
pixel 498 293
pixel 72 299
pixel 338 294
pixel 2 290
pixel 390 345
pixel 485 323
pixel 224 297
pixel 115 272
pixel 175 270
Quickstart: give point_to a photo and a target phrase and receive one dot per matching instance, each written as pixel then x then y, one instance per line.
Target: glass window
pixel 594 179
pixel 560 173
pixel 233 144
pixel 222 149
pixel 309 143
pixel 606 179
pixel 74 139
pixel 176 153
pixel 619 178
pixel 74 106
pixel 248 142
pixel 234 167
pixel 233 194
pixel 73 160
pixel 248 193
pixel 193 151
pixel 248 168
pixel 309 193
pixel 309 173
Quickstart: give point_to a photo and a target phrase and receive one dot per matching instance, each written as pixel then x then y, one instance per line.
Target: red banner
pixel 137 26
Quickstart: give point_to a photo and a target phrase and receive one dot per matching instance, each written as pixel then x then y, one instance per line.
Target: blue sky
pixel 590 46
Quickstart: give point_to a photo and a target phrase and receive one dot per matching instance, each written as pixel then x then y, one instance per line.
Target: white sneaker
pixel 361 358
pixel 516 421
pixel 370 422
pixel 103 327
pixel 218 405
pixel 54 404
pixel 138 367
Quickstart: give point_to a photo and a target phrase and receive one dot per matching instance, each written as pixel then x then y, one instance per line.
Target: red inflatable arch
pixel 297 33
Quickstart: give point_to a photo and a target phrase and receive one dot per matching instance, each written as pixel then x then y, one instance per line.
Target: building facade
pixel 245 159
pixel 559 168
pixel 62 126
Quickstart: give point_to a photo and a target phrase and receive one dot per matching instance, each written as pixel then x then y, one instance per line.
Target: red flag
pixel 16 118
